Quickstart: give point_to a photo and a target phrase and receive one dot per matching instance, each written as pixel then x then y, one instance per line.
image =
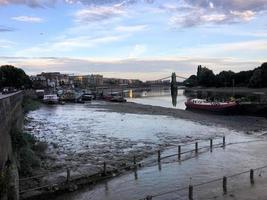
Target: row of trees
pixel 11 76
pixel 256 78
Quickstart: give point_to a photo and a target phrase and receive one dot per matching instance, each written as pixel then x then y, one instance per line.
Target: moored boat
pixel 203 104
pixel 87 97
pixel 51 99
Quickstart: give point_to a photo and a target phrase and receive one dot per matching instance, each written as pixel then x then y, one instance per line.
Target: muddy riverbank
pixel 82 137
pixel 239 123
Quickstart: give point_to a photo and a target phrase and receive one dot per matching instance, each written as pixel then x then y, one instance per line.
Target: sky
pixel 144 39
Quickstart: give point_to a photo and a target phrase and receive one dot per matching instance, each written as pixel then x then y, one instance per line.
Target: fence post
pixel 148 198
pixel 158 155
pixel 179 152
pixel 134 162
pixel 190 194
pixel 68 175
pixel 211 144
pixel 224 185
pixel 196 147
pixel 251 176
pixel 223 141
pixel 104 169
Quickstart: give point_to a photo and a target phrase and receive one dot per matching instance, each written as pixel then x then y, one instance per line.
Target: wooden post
pixel 211 144
pixel 134 162
pixel 158 155
pixel 196 147
pixel 68 175
pixel 104 169
pixel 252 176
pixel 224 185
pixel 223 141
pixel 179 152
pixel 148 198
pixel 190 193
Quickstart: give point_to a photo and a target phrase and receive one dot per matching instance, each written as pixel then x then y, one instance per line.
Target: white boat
pixel 51 99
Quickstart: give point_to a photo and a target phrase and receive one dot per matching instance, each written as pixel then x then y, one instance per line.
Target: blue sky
pixel 144 39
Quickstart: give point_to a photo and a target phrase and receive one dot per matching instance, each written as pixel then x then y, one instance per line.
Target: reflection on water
pixel 164 98
pixel 174 94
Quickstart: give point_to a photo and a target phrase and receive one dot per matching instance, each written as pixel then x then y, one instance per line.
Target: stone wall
pixel 11 117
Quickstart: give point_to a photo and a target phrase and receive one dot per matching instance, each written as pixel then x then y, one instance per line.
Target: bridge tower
pixel 173 82
pixel 174 89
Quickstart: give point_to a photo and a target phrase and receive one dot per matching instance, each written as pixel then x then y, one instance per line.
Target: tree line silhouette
pixel 256 78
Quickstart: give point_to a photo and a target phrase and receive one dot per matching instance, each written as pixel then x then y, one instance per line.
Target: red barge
pixel 202 104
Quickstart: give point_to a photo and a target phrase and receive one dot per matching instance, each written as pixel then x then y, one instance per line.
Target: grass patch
pixel 28 150
pixel 30 104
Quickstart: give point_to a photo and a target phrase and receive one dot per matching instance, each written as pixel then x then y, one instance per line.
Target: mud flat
pixel 82 137
pixel 236 122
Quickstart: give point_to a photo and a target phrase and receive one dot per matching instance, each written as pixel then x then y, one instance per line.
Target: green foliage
pixel 30 104
pixel 26 147
pixel 3 182
pixel 28 161
pixel 224 79
pixel 259 77
pixel 11 76
pixel 191 81
pixel 205 76
pixel 252 78
pixel 256 79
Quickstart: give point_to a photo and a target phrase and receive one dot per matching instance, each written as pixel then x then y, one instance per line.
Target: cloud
pixel 229 5
pixel 251 49
pixel 188 13
pixel 30 3
pixel 29 19
pixel 145 69
pixel 98 13
pixel 70 44
pixel 138 50
pixel 131 29
pixel 6 43
pixel 201 17
pixel 6 29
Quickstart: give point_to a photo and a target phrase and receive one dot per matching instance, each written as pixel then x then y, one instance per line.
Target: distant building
pixel 50 79
pixel 87 80
pixel 96 80
pixel 38 81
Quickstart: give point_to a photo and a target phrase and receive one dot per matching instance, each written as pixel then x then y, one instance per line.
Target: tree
pixel 256 79
pixel 11 76
pixel 205 76
pixel 264 74
pixel 191 81
pixel 224 79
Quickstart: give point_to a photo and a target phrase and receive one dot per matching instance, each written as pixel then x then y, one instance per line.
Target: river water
pixel 162 98
pixel 83 136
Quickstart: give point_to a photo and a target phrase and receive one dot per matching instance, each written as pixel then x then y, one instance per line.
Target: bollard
pixel 105 169
pixel 223 141
pixel 224 185
pixel 196 147
pixel 134 160
pixel 148 198
pixel 159 165
pixel 179 152
pixel 251 176
pixel 158 155
pixel 68 175
pixel 190 194
pixel 211 144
